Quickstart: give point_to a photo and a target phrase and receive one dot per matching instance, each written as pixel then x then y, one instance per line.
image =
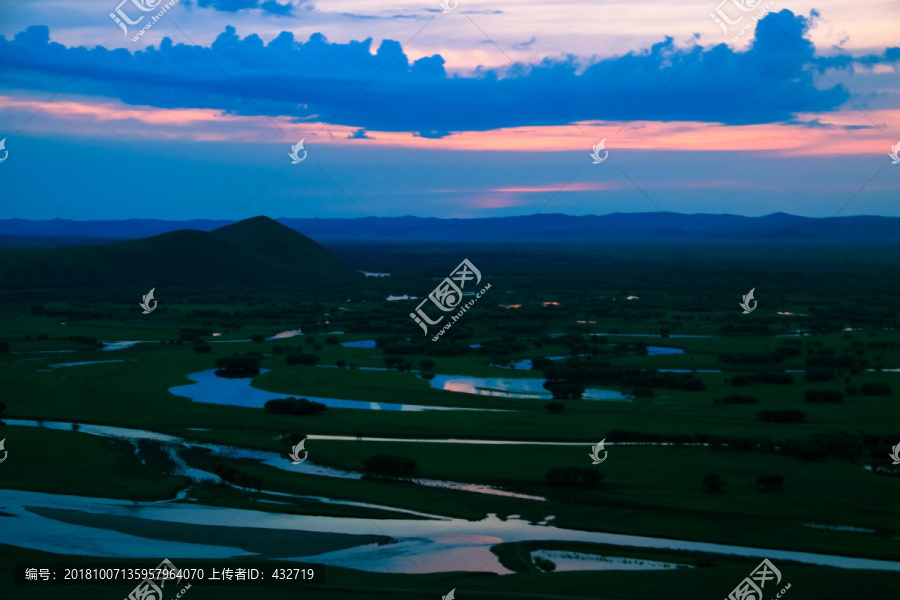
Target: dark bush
pixel 390 466
pixel 781 416
pixel 554 408
pixel 302 359
pixel 257 337
pixel 770 482
pixel 573 477
pixel 805 451
pixel 736 399
pixel 818 375
pixel 564 390
pixel 202 348
pixel 539 363
pixel 773 378
pixel 875 389
pixel 237 366
pixel 397 363
pixel 823 396
pixel 713 482
pixel 239 478
pixel 750 358
pixel 293 406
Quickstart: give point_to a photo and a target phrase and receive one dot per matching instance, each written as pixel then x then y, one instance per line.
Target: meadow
pixel 824 323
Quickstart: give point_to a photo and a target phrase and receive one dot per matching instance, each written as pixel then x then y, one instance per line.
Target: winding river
pixel 106 528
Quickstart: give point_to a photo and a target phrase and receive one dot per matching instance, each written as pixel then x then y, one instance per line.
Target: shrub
pixel 823 396
pixel 257 337
pixel 750 358
pixel 302 359
pixel 818 375
pixel 239 478
pixel 564 390
pixel 426 364
pixel 875 389
pixel 805 451
pixel 713 482
pixel 736 399
pixel 390 466
pixel 770 482
pixel 293 406
pixel 554 408
pixel 781 416
pixel 237 366
pixel 573 477
pixel 544 564
pixel 773 378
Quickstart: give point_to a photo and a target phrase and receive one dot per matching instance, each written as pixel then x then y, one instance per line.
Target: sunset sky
pixel 488 110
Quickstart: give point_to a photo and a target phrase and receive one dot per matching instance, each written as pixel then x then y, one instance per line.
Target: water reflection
pixel 513 388
pixel 238 392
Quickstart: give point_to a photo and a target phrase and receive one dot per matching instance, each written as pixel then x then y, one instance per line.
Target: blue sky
pixel 487 110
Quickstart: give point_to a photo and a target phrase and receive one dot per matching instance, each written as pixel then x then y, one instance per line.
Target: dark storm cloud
pixel 771 81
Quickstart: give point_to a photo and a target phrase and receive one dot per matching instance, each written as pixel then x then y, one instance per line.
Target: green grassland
pixel 646 490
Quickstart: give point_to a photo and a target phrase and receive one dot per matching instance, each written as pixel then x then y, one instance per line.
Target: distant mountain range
pixel 257 251
pixel 658 227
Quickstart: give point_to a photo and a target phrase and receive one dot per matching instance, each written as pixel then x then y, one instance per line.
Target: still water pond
pixel 238 392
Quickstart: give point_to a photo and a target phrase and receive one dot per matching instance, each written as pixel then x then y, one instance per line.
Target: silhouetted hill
pixel 258 251
pixel 616 228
